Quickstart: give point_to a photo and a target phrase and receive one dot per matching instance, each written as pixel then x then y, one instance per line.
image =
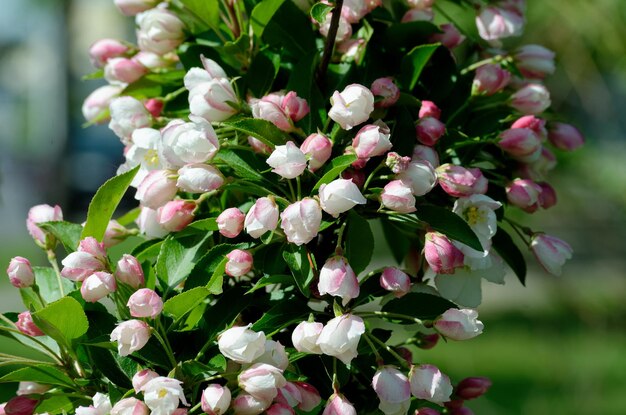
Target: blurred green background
pixel 556 346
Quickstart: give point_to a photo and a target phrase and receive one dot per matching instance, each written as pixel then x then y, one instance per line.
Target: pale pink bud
pixel 551 252
pixel 261 381
pixel 426 341
pixel 398 196
pixel 163 395
pixel 539 169
pixel 157 188
pixel 79 265
pixel 458 324
pixel 199 178
pixel 338 405
pixel 154 61
pixel 239 263
pixel 114 234
pixel 420 177
pixel 145 303
pixel 351 49
pixel 352 106
pixel 340 196
pixel 288 161
pixel 210 100
pixel 458 181
pixel 294 107
pixel 357 176
pixel 21 405
pixel 301 221
pixel 104 49
pixel 421 4
pixel 26 325
pixel 534 61
pixel 213 69
pixel 418 15
pixel 441 254
pixel 340 337
pixel 397 163
pixel 354 10
pixel 142 377
pixel 176 215
pixel 97 286
pixel 565 136
pixel 269 111
pixel 537 125
pixel 127 115
pixel 215 399
pixel 154 106
pixel 429 130
pixel 521 143
pixel 39 214
pixel 188 142
pixel 547 197
pixel 241 344
pixel 133 7
pixel 429 109
pixel 305 335
pixel 94 248
pixel 149 225
pixel 159 31
pixel 531 99
pixel 392 387
pixel 130 335
pixel 230 222
pixel 98 102
pixel 123 70
pixel 20 272
pixel 274 355
pixel 396 281
pixel 129 271
pixel 344 31
pixel 496 23
pixel 489 79
pixel 310 396
pixel 262 217
pixel 372 140
pixel 289 395
pixel 260 147
pixel 280 409
pixel 130 406
pixel 524 194
pixel 471 388
pixel 425 153
pixel 338 279
pixel 427 382
pixel 27 388
pixel 450 38
pixel 387 90
pixel 245 404
pixel 318 148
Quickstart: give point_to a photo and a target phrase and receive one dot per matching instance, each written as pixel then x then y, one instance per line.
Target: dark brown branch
pixel 330 42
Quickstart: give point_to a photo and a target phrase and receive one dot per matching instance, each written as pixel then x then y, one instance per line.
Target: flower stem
pixel 330 42
pixel 164 342
pixel 392 352
pixel 52 259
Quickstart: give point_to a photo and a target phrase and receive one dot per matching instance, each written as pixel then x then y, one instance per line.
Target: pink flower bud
pixel 524 194
pixel 539 169
pixel 344 31
pixel 145 303
pixel 338 405
pixel 338 279
pixel 280 409
pixel 261 381
pixel 318 148
pixel 153 61
pixel 127 115
pixel 426 341
pixel 397 196
pixel 215 399
pixel 354 10
pixel 396 281
pixel 301 221
pixel 531 99
pixel 241 344
pixel 429 109
pixel 340 196
pixel 521 143
pixel 547 197
pixel 427 382
pixel 20 272
pixel 104 49
pixel 442 256
pixel 133 7
pixel 267 110
pixel 123 70
pixel 425 153
pixel 149 225
pixel 450 38
pixel 28 388
pixel 129 406
pixel 535 61
pixel 454 404
pixel 154 106
pixel 489 79
pixel 274 355
pixel 458 181
pixel 114 234
pixel 429 130
pixel 259 146
pixel 20 405
pixel 496 23
pixel 372 140
pixel 176 215
pixel 352 106
pixel 130 335
pixel 458 324
pixel 421 4
pixel 288 161
pixel 39 214
pixel 142 377
pixel 80 264
pixel 537 125
pixel 230 222
pixel 310 396
pixel 26 325
pixel 245 404
pixel 239 263
pixel 551 252
pixel 461 411
pixel 426 411
pixel 418 15
pixel 97 286
pixel 210 99
pixel 188 142
pixel 565 137
pixel 294 107
pixel 397 163
pixel 387 90
pixel 356 176
pixel 94 248
pixel 158 188
pixel 199 178
pixel 471 388
pixel 420 177
pixel 289 395
pixel 305 335
pixel 393 389
pixel 262 217
pixel 129 271
pixel 340 337
pixel 159 31
pixel 98 102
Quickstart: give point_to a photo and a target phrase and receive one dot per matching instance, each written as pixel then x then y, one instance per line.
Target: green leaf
pixel 237 53
pixel 64 320
pixel 262 14
pixel 178 256
pixel 44 374
pixel 221 315
pixel 406 35
pixel 48 284
pixel 403 132
pixel 208 11
pixel 208 224
pixel 183 303
pixel 236 161
pixel 399 245
pixel 147 250
pixel 413 64
pixel 298 262
pixel 283 314
pixel 258 128
pixel 319 11
pixel 106 363
pixel 55 405
pixel 302 81
pixel 510 253
pixel 205 268
pixel 359 242
pixel 332 171
pixel 450 224
pixel 269 280
pixel 129 217
pixel 262 72
pixel 66 232
pixel 420 305
pixel 104 204
pixel 217 278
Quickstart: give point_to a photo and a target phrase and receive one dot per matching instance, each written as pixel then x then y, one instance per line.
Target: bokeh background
pixel 557 346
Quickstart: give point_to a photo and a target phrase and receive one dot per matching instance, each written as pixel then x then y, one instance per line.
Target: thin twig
pixel 330 42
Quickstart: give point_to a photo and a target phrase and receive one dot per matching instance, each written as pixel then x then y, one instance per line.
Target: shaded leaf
pixel 258 128
pixel 183 303
pixel 420 305
pixel 450 224
pixel 413 64
pixel 510 253
pixel 334 169
pixel 359 242
pixel 44 374
pixel 298 262
pixel 178 256
pixel 67 233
